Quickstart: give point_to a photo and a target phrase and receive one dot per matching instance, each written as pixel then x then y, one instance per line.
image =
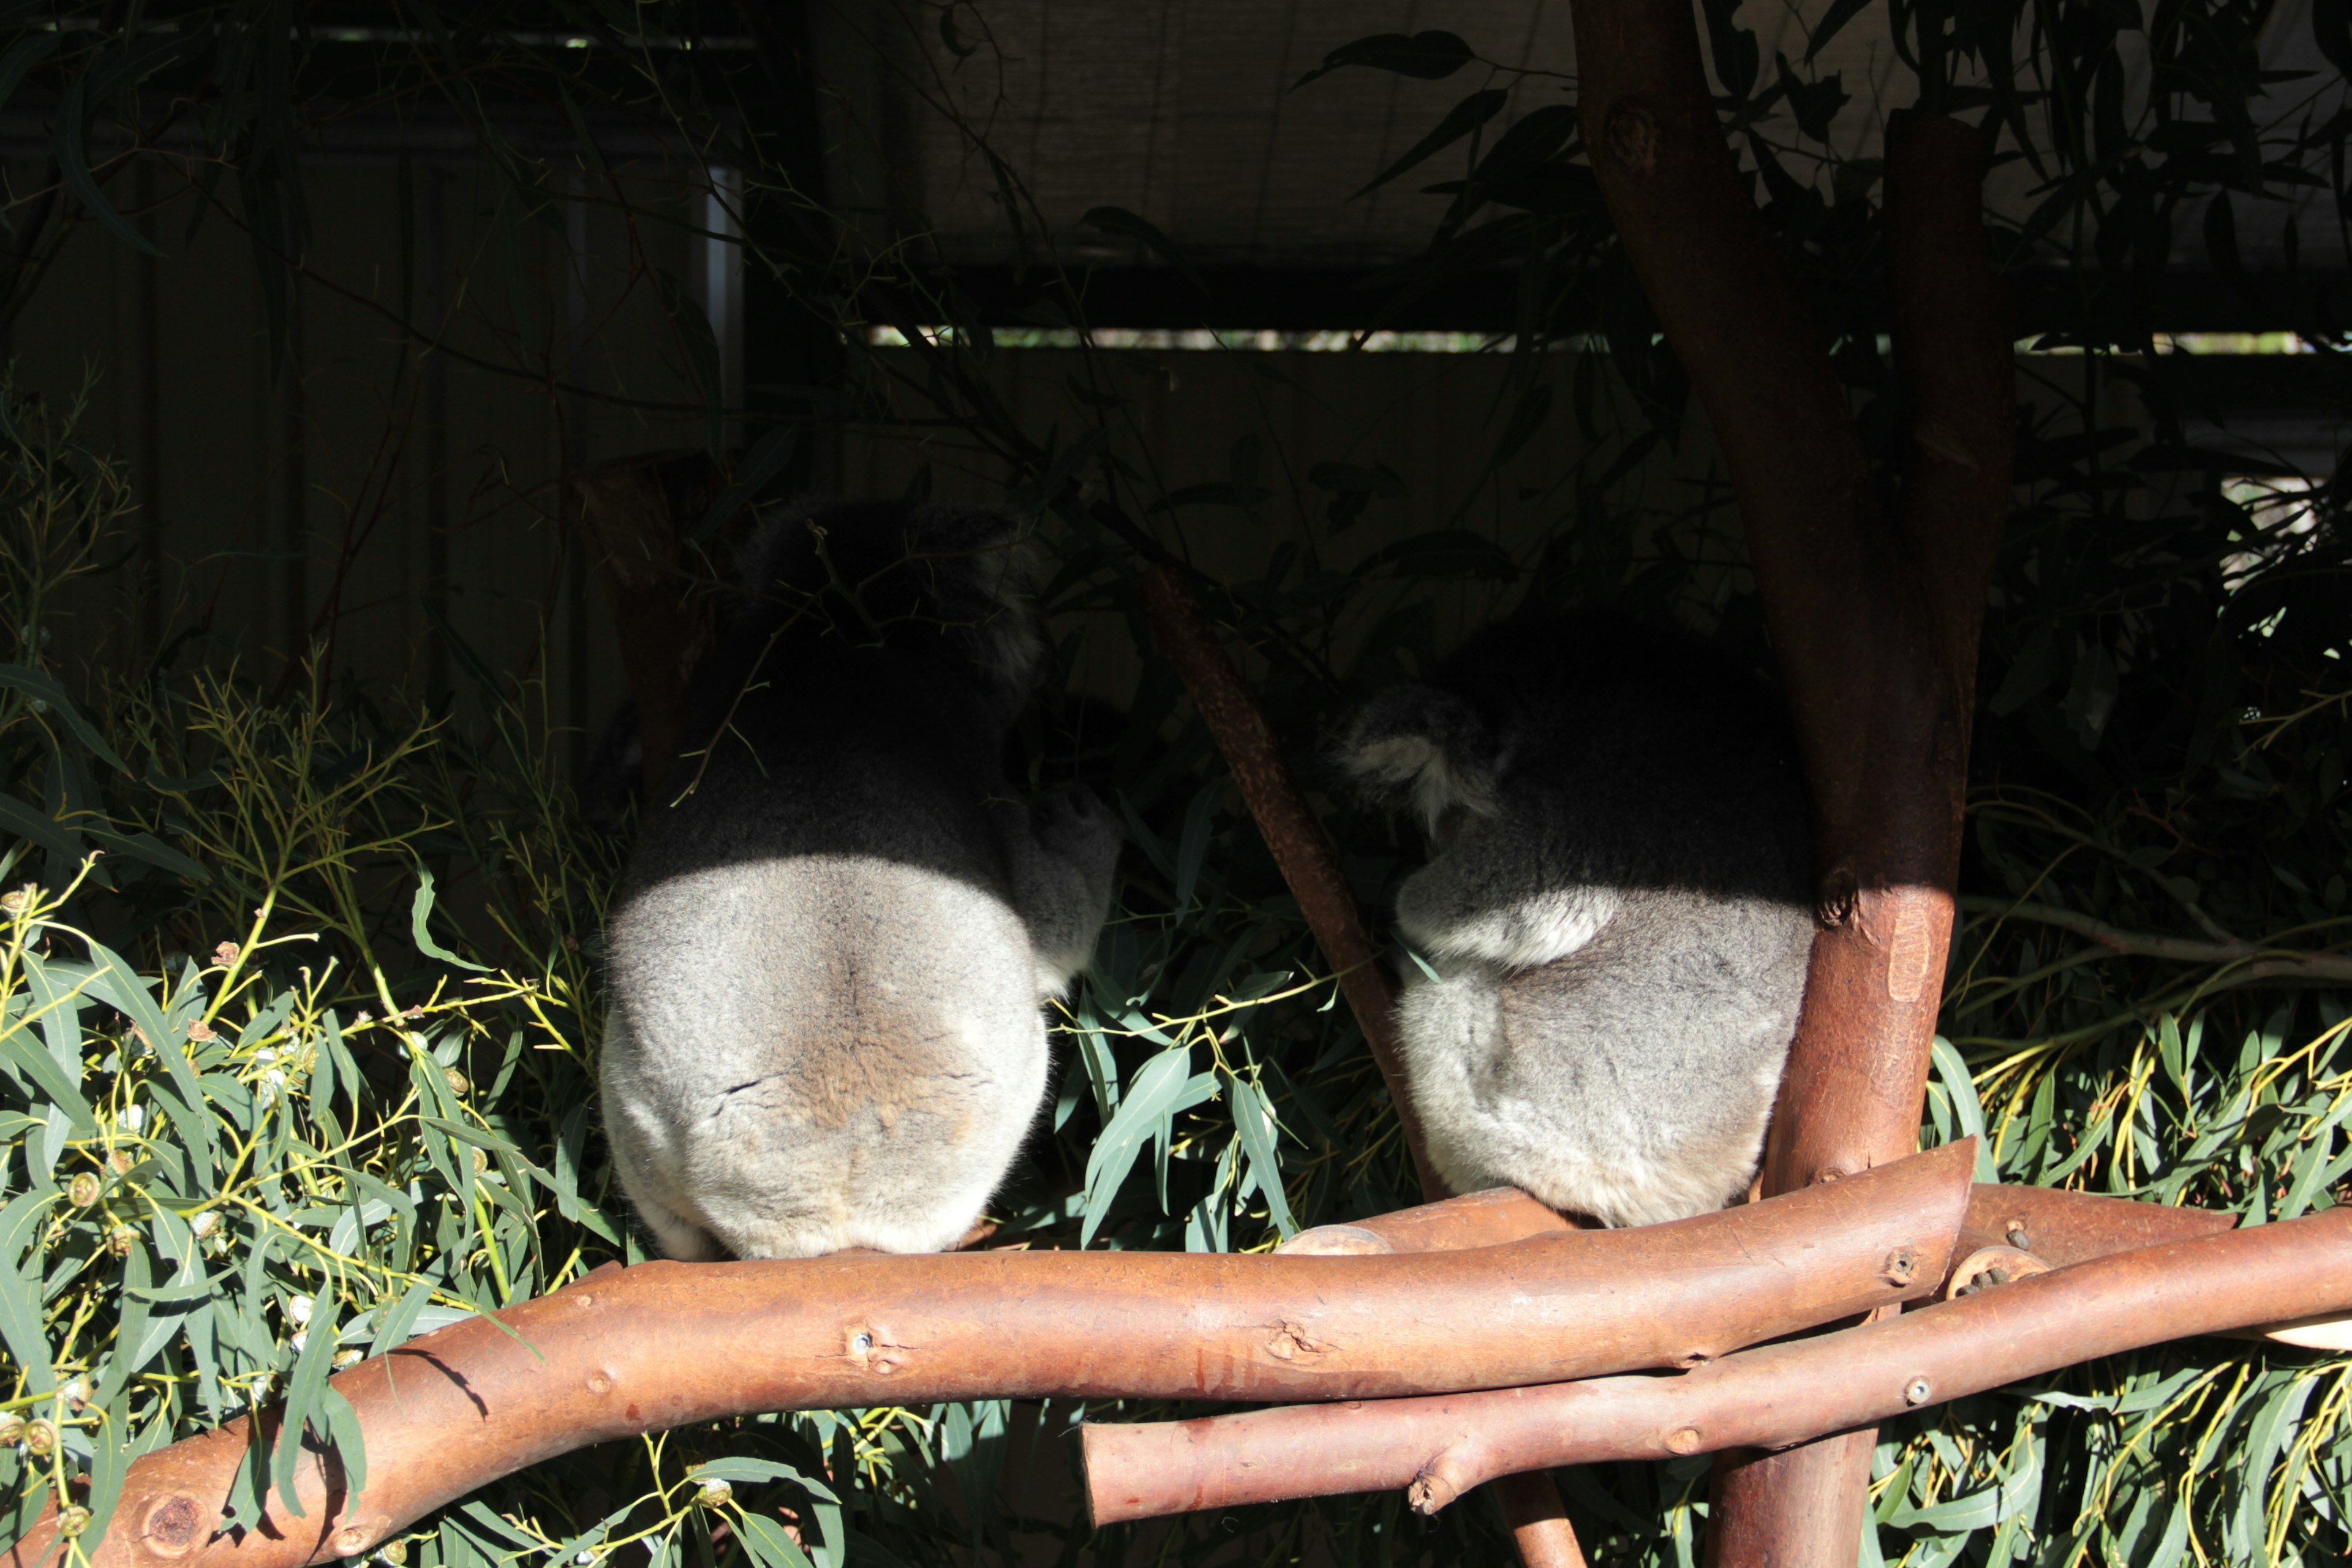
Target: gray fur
pixel 830 955
pixel 1615 907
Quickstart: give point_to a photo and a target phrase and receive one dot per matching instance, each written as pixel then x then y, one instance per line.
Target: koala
pixel 828 961
pixel 1615 914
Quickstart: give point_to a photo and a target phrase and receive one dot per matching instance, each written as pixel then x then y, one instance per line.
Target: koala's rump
pixel 1630 1080
pixel 827 1050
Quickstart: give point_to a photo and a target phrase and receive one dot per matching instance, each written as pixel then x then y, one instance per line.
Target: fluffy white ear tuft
pixel 1421 747
pixel 1437 785
pixel 1535 930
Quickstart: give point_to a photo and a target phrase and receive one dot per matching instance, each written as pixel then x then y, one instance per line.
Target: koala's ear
pixel 1422 747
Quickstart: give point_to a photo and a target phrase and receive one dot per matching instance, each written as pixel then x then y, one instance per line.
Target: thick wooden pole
pixel 1852 1093
pixel 1874 620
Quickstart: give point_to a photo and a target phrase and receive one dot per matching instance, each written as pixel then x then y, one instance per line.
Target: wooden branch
pixel 1538 1520
pixel 1531 1504
pixel 2061 1228
pixel 2055 1225
pixel 1539 1526
pixel 1491 1219
pixel 1858 1071
pixel 1767 1398
pixel 1300 848
pixel 627 1351
pixel 627 513
pixel 2268 962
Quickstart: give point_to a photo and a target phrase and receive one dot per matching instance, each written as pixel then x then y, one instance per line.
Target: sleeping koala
pixel 829 958
pixel 1616 906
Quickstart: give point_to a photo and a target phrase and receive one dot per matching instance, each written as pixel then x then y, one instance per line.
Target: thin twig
pixel 2268 962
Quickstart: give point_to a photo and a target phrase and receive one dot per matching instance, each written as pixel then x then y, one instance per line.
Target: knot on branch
pixel 1840 892
pixel 1291 1340
pixel 1443 1480
pixel 172 1525
pixel 1629 135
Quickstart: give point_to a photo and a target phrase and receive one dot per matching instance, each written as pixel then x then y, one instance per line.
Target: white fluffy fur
pixel 1438 785
pixel 1492 1111
pixel 790 1090
pixel 1536 930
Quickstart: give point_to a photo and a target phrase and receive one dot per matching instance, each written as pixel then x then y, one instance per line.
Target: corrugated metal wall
pixel 376 492
pixel 394 510
pixel 372 492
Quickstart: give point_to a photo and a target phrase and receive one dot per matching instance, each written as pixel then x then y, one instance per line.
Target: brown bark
pixel 1531 1504
pixel 1300 848
pixel 1304 854
pixel 1876 626
pixel 2061 1228
pixel 1766 1398
pixel 1538 1520
pixel 2055 1225
pixel 627 513
pixel 452 1410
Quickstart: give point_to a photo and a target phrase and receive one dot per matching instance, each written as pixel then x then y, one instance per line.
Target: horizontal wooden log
pixel 641 1350
pixel 1493 1217
pixel 2060 1227
pixel 1768 1398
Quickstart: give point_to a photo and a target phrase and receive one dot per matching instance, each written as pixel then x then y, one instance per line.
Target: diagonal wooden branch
pixel 1539 1526
pixel 1767 1398
pixel 1297 840
pixel 627 516
pixel 659 1345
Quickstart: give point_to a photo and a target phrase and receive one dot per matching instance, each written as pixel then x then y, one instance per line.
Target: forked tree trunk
pixel 1531 1507
pixel 1875 620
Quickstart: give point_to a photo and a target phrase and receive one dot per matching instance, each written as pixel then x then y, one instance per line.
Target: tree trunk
pixel 1876 625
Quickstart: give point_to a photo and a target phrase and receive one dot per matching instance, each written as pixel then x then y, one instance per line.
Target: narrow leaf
pixel 1460 120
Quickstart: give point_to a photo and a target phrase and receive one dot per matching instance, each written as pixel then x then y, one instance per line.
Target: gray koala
pixel 828 961
pixel 1615 908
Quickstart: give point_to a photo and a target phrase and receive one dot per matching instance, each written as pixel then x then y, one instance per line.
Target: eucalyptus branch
pixel 2267 963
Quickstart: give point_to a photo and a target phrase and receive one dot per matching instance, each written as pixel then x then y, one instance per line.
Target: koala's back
pixel 823 1028
pixel 1636 756
pixel 1631 1079
pixel 1616 904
